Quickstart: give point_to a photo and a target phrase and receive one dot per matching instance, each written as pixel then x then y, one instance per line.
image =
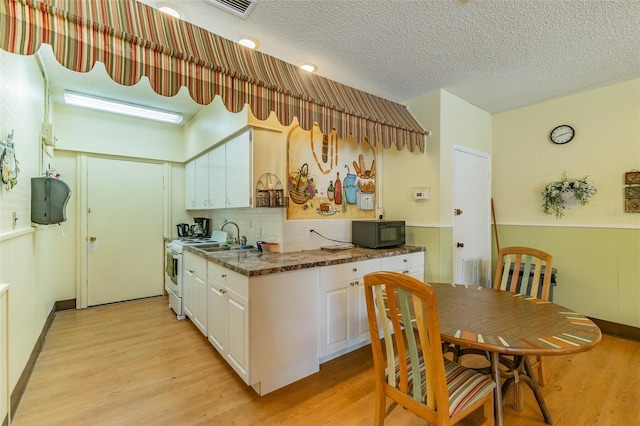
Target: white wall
pixel 27 257
pixel 88 131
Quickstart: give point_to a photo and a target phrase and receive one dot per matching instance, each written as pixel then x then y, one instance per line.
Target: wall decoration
pixel 328 177
pixel 632 178
pixel 9 166
pixel 632 206
pixel 632 192
pixel 566 193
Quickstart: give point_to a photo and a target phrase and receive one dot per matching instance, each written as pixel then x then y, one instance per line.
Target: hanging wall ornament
pixel 9 166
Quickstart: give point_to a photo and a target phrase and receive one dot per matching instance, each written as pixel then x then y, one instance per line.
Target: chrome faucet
pixel 236 240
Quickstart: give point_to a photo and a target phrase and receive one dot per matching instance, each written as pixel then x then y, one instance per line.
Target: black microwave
pixel 377 233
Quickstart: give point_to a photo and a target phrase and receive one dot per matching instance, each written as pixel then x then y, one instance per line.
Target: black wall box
pixel 49 197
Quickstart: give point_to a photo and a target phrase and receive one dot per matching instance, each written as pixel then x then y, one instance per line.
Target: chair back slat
pixel 381 303
pixel 515 278
pixel 504 281
pixel 526 270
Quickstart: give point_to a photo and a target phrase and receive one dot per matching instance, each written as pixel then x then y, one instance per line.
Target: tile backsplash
pixel 268 224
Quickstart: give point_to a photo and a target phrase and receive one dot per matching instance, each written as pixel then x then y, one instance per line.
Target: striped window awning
pixel 133 40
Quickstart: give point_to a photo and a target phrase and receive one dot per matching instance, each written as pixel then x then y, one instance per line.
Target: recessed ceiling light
pixel 248 42
pixel 308 67
pixel 170 10
pixel 118 107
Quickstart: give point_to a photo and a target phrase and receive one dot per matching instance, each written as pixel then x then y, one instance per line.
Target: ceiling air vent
pixel 240 8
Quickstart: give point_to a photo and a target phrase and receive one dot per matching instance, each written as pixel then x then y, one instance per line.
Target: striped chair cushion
pixel 464 385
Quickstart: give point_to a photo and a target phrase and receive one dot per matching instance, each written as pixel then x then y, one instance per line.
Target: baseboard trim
pixel 23 381
pixel 618 330
pixel 65 305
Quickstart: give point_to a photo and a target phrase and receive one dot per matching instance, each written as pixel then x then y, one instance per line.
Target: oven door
pixel 172 281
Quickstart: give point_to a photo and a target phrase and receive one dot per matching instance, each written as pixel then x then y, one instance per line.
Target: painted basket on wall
pixel 301 186
pixel 298 197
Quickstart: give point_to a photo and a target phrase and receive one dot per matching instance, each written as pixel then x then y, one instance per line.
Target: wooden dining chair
pixel 408 363
pixel 526 271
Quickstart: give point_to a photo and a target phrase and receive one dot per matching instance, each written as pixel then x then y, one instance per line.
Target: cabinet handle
pixel 355 269
pixel 351 284
pixel 191 271
pixel 223 291
pixel 357 282
pixel 405 260
pixel 406 271
pixel 224 275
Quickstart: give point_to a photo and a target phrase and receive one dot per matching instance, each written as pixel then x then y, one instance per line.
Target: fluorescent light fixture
pixel 118 107
pixel 308 67
pixel 248 42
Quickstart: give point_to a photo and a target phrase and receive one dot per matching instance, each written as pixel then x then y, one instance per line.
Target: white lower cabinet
pixel 228 316
pixel 275 329
pixel 343 312
pixel 194 290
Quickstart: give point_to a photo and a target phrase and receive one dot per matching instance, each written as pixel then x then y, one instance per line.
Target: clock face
pixel 562 134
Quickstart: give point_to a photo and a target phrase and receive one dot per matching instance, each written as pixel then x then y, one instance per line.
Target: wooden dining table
pixel 503 323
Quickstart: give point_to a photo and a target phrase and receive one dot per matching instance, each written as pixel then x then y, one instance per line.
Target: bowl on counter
pixel 268 247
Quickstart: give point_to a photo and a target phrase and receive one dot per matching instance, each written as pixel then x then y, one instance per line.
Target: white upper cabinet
pixel 222 177
pixel 238 172
pixel 190 185
pixel 217 178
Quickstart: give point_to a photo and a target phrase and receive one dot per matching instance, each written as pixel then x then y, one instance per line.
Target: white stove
pixel 173 273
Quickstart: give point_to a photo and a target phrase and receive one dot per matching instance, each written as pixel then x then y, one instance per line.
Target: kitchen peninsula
pixel 275 317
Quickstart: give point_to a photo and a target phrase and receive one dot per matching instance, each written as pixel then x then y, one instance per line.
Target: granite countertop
pixel 251 262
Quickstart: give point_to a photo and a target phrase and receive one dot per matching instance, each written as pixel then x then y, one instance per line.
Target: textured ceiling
pixel 495 54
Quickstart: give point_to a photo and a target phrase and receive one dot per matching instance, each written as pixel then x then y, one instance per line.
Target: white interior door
pixel 472 217
pixel 124 224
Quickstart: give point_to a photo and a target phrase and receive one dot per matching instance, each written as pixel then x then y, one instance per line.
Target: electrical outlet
pixel 309 232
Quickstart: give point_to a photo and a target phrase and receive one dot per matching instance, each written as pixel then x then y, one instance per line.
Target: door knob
pixel 459 244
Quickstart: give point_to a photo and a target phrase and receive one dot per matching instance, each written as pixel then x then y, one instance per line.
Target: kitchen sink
pixel 213 248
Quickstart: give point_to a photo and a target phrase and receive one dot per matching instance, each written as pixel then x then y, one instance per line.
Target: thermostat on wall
pixel 421 193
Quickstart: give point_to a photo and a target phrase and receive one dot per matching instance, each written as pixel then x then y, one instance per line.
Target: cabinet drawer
pixel 238 283
pixel 229 279
pixel 402 262
pixel 348 271
pixel 196 263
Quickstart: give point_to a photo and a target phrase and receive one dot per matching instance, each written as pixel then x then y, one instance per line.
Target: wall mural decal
pixel 328 177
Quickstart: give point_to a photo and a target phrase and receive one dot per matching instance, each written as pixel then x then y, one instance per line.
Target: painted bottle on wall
pixel 338 190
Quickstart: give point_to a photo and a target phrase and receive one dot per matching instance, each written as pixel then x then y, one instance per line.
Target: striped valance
pixel 135 40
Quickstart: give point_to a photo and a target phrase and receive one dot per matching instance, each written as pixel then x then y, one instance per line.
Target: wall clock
pixel 562 134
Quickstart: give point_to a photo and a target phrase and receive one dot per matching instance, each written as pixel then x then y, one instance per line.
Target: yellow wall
pixel 452 122
pixel 606 145
pixel 596 247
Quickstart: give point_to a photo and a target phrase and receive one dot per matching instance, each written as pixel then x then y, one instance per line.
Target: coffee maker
pixel 204 225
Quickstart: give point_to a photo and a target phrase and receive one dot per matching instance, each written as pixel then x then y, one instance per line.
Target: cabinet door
pixel 335 320
pixel 216 323
pixel 359 319
pixel 190 185
pixel 187 290
pixel 217 178
pixel 238 171
pixel 238 334
pixel 200 303
pixel 343 312
pixel 202 182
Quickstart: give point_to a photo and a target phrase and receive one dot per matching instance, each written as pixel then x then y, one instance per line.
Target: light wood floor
pixel 135 364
